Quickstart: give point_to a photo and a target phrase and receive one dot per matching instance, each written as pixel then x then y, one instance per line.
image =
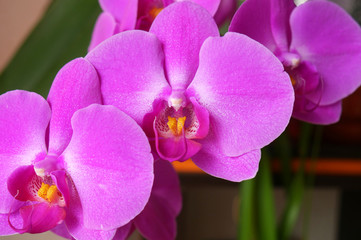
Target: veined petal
pixel 23 121
pixel 182 28
pixel 246 92
pixel 307 111
pixel 124 11
pixel 325 35
pixel 75 86
pixel 211 160
pixel 104 28
pixel 130 67
pixel 109 161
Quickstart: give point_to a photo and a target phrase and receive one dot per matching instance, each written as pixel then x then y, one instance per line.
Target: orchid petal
pixel 21 182
pixel 225 11
pixel 23 121
pixel 75 86
pixel 38 218
pixel 211 160
pixel 130 67
pixel 211 5
pixel 317 114
pixel 124 11
pixel 109 161
pixel 253 19
pixel 246 92
pixel 124 232
pixel 104 28
pixel 182 28
pixel 61 230
pixel 325 35
pixel 15 219
pixel 74 221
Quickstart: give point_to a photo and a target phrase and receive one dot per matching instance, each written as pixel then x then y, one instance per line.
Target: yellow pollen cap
pixel 49 193
pixel 176 125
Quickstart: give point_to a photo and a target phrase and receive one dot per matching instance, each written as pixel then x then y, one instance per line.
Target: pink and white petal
pixel 15 219
pixel 110 162
pixel 124 11
pixel 211 160
pixel 317 114
pixel 74 221
pixel 130 67
pixel 253 18
pixel 38 218
pixel 124 232
pixel 182 28
pixel 75 86
pixel 23 121
pixel 167 186
pixel 104 28
pixel 325 35
pixel 246 92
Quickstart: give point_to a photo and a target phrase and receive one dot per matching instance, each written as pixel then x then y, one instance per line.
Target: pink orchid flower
pixel 121 15
pixel 319 45
pixel 197 95
pixel 64 166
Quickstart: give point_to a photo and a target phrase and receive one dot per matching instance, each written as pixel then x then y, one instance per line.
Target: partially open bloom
pixel 319 45
pixel 121 15
pixel 63 166
pixel 217 100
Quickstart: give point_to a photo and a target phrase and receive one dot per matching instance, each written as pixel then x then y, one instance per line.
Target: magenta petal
pixel 211 160
pixel 124 11
pixel 104 28
pixel 167 186
pixel 317 114
pixel 253 19
pixel 14 218
pixel 124 232
pixel 325 35
pixel 246 92
pixel 24 117
pixel 74 221
pixel 202 117
pixel 130 67
pixel 158 219
pixel 172 148
pixel 21 181
pixel 75 86
pixel 62 231
pixel 109 161
pixel 182 28
pixel 210 5
pixel 41 217
pixel 225 11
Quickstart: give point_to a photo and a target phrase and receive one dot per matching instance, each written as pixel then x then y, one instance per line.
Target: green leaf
pixel 62 35
pixel 246 215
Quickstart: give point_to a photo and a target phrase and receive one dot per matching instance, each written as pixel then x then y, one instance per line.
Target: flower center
pixel 49 193
pixel 176 125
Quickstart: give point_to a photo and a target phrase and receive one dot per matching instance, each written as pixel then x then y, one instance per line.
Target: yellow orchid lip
pixel 49 193
pixel 176 125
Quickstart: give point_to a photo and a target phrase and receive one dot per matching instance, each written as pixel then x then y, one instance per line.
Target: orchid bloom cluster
pixel 158 85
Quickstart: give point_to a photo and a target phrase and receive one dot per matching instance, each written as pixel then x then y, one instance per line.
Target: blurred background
pixel 331 209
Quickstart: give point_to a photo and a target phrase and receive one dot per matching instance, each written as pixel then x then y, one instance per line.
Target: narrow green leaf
pixel 266 217
pixel 62 35
pixel 246 215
